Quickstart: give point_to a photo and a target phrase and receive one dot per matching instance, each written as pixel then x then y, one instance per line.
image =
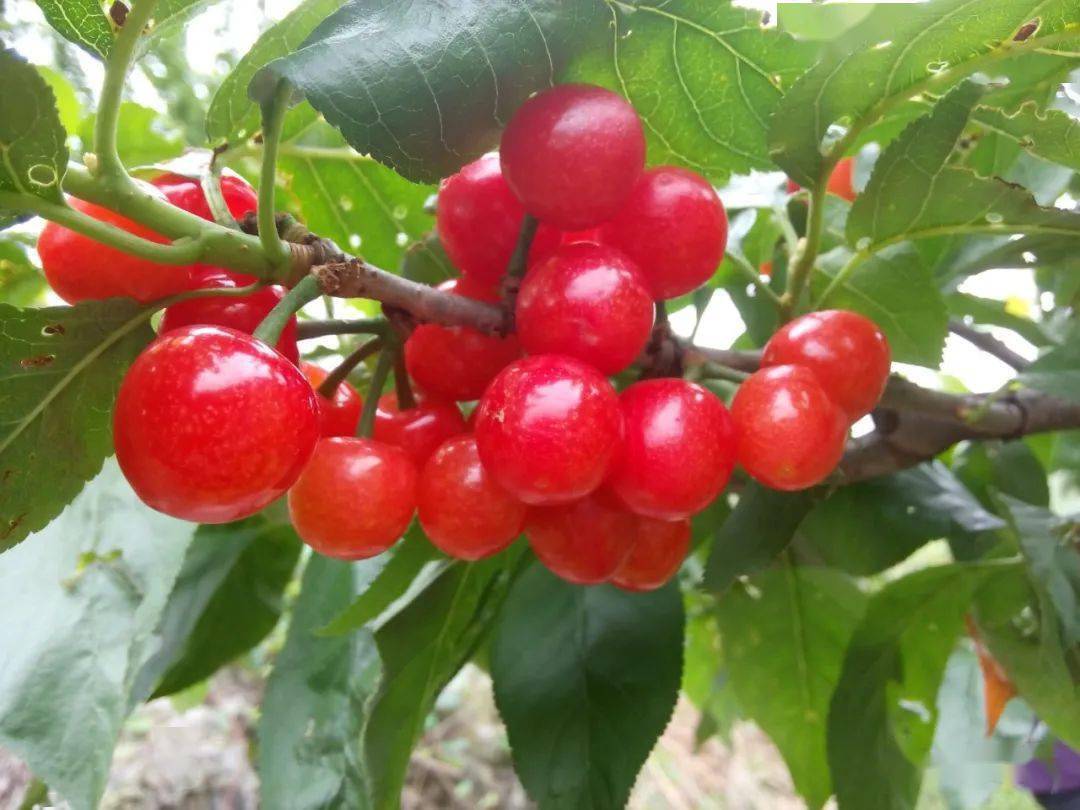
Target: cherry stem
pixel 715 371
pixel 375 389
pixel 519 258
pixel 328 387
pixel 210 181
pixel 272 325
pixel 405 397
pixel 273 118
pixel 305 330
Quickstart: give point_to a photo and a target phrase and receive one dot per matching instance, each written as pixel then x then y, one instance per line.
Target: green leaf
pixel 61 368
pixel 426 261
pixel 67 103
pixel 363 206
pixel 21 282
pixel 881 719
pixel 1050 134
pixel 141 136
pixel 784 640
pixel 227 598
pixel 33 144
pixel 990 311
pixel 870 526
pixel 1057 372
pixel 585 679
pixel 1007 467
pixel 705 77
pixel 82 22
pixel 427 86
pixel 232 115
pixel 422 647
pixel 314 709
pixel 896 290
pixel 899 52
pixel 760 527
pixel 81 602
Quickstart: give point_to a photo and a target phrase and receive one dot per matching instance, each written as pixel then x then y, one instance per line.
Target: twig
pixel 328 387
pixel 989 344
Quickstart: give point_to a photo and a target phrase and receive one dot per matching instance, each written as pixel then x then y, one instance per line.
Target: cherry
pixel 187 193
pixel 242 314
pixel 847 352
pixel 659 549
pixel 80 269
pixel 463 511
pixel 841 183
pixel 456 362
pixel 549 239
pixel 765 269
pixel 678 450
pixel 790 433
pixel 589 302
pixel 674 226
pixel 585 541
pixel 212 425
pixel 547 429
pixel 340 415
pixel 355 498
pixel 571 154
pixel 418 430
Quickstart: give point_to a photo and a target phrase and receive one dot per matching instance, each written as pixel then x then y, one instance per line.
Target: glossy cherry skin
pixel 549 239
pixel 658 551
pixel 841 181
pixel 242 314
pixel 478 219
pixel 419 430
pixel 339 415
pixel 571 154
pixel 674 226
pixel 212 425
pixel 678 448
pixel 847 352
pixel 80 269
pixel 456 362
pixel 187 193
pixel 790 433
pixel 463 511
pixel 547 429
pixel 586 301
pixel 355 498
pixel 583 542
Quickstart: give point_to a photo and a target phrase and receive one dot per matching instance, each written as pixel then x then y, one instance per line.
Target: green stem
pixel 375 389
pixel 405 397
pixel 791 238
pixel 361 326
pixel 305 291
pixel 751 275
pixel 273 116
pixel 520 258
pixel 803 262
pixel 211 186
pixel 715 371
pixel 329 386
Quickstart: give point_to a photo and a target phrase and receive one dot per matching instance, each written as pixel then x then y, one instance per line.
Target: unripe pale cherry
pixel 790 434
pixel 340 414
pixel 355 498
pixel 212 425
pixel 457 362
pixel 674 227
pixel 589 302
pixel 242 314
pixel 418 430
pixel 80 269
pixel 678 448
pixel 660 546
pixel 571 154
pixel 583 542
pixel 547 429
pixel 462 510
pixel 846 351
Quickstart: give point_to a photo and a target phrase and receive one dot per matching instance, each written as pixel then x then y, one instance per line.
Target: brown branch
pixel 989 344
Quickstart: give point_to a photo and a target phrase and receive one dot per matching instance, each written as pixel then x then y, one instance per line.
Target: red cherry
pixel 549 239
pixel 678 450
pixel 338 416
pixel 572 153
pixel 589 302
pixel 355 498
pixel 547 428
pixel 847 352
pixel 841 183
pixel 80 269
pixel 463 511
pixel 583 542
pixel 659 549
pixel 674 226
pixel 766 269
pixel 242 314
pixel 792 186
pixel 790 433
pixel 212 425
pixel 419 430
pixel 187 193
pixel 456 362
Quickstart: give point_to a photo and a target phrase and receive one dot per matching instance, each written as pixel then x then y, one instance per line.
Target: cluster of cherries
pixel 212 425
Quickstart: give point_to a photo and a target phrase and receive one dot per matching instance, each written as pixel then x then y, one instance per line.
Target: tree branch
pixel 989 344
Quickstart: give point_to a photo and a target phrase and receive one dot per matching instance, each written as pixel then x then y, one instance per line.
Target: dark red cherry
pixel 660 546
pixel 339 415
